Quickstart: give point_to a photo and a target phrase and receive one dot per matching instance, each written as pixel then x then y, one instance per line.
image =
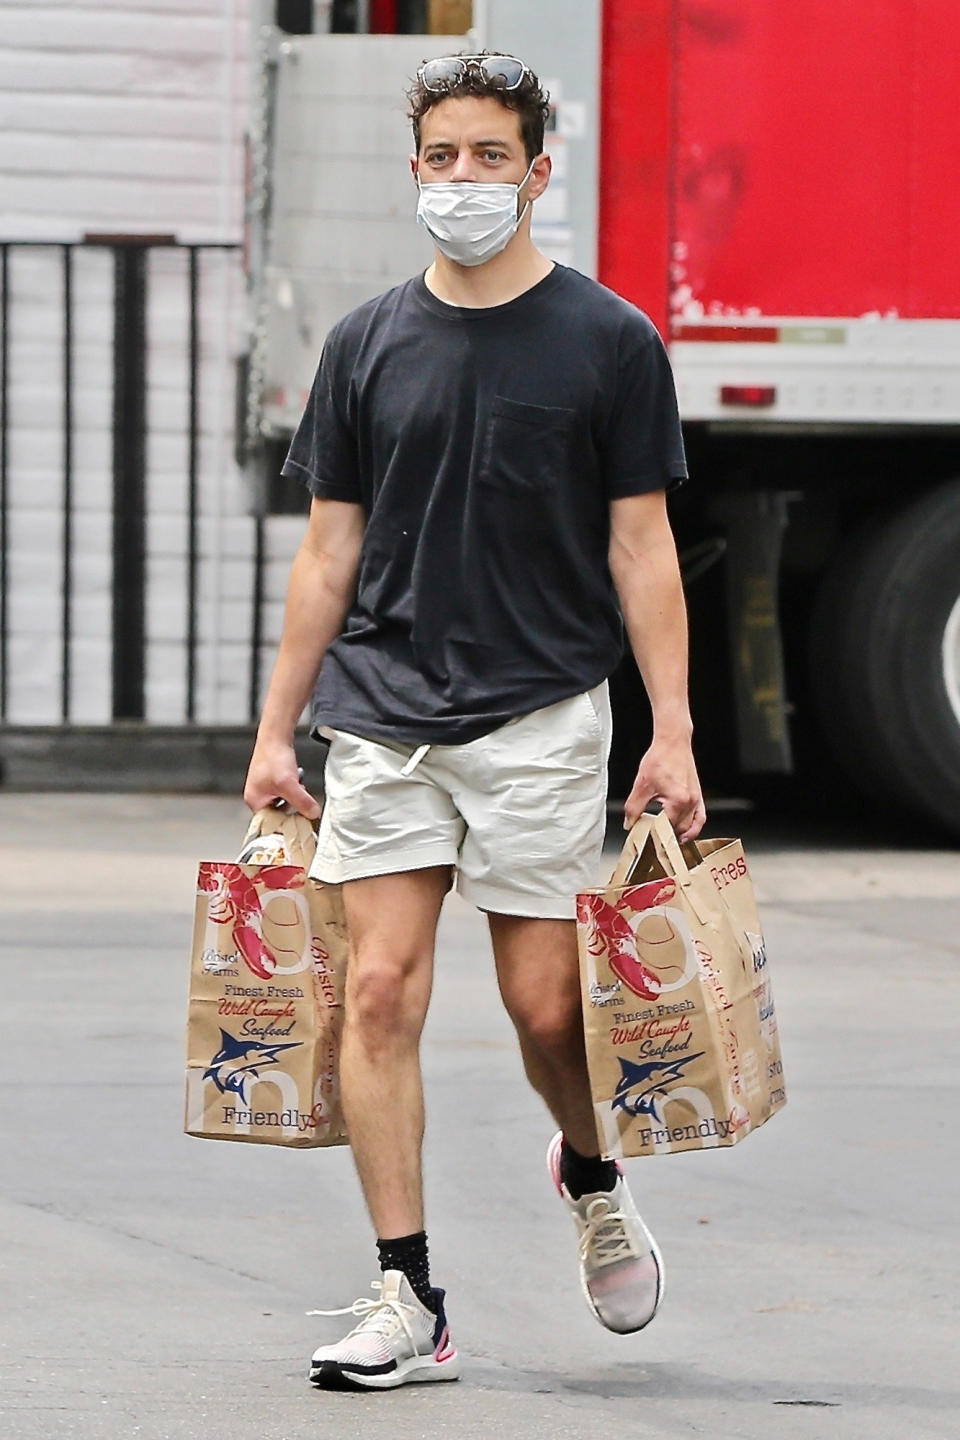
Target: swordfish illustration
pixel 642 1088
pixel 240 1060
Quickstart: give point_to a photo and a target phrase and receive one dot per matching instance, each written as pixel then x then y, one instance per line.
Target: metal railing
pixel 128 420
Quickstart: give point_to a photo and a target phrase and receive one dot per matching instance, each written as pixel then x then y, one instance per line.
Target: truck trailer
pixel 775 185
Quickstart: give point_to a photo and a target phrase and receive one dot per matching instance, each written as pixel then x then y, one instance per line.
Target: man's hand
pixel 273 775
pixel 668 773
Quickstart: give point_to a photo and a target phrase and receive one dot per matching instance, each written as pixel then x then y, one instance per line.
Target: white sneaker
pixel 621 1270
pixel 398 1341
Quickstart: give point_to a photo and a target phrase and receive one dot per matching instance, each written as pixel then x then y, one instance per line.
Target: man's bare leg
pixel 539 978
pixel 392 921
pixel 620 1267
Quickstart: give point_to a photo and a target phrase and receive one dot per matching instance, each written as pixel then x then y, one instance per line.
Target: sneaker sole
pixel 553 1165
pixel 328 1375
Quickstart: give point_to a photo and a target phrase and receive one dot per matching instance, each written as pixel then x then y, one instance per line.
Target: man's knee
pixel 550 1025
pixel 387 994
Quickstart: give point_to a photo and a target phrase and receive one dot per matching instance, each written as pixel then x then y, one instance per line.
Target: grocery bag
pixel 681 1033
pixel 266 993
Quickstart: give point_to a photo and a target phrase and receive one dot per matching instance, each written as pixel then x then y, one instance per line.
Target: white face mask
pixel 469 221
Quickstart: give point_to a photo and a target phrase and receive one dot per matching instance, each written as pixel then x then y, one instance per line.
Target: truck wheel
pixel 885 651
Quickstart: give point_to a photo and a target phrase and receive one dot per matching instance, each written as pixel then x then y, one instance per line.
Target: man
pixel 487 447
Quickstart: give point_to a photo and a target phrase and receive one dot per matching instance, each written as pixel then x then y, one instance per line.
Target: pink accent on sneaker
pixel 553 1160
pixel 445 1349
pixel 618 1277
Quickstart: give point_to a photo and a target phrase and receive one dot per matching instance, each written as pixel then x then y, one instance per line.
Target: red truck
pixel 775 183
pixel 792 222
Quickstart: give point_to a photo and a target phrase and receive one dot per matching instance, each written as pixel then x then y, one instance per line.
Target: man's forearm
pixel 322 586
pixel 648 584
pixel 318 598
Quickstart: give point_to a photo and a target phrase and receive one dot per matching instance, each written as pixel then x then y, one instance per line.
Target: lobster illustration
pixel 609 934
pixel 234 898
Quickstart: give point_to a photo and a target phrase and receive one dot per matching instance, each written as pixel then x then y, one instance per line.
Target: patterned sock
pixel 409 1254
pixel 585 1174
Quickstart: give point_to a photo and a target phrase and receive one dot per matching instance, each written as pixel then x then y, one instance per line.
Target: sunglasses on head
pixel 506 72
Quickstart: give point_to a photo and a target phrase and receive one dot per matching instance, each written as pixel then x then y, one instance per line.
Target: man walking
pixel 487 447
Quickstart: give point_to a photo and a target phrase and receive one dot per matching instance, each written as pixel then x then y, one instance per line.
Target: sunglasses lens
pixel 502 70
pixel 437 74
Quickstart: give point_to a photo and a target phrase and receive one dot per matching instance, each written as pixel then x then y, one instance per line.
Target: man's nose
pixel 463 169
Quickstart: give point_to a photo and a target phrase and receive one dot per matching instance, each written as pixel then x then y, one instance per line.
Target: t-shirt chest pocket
pixel 527 448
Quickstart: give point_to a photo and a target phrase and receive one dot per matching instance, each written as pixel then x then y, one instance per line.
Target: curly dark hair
pixel 529 101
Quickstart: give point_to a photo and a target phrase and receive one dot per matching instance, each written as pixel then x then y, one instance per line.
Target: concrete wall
pixel 125 116
pixel 121 114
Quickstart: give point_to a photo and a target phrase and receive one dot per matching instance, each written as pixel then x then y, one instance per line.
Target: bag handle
pixel 665 838
pixel 651 823
pixel 633 848
pixel 657 827
pixel 299 833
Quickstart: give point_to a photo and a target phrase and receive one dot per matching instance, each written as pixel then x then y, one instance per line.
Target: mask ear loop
pixel 527 203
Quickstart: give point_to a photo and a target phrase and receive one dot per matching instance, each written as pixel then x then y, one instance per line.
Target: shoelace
pixel 383 1323
pixel 604 1238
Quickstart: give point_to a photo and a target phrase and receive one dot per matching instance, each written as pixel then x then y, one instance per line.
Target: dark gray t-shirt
pixel 485 447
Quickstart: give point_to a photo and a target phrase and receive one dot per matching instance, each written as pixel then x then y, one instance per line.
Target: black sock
pixel 409 1254
pixel 585 1174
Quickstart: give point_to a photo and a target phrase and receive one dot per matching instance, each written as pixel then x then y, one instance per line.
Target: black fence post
pixel 66 609
pixel 129 480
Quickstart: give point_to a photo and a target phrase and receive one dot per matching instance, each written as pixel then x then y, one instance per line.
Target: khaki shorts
pixel 520 813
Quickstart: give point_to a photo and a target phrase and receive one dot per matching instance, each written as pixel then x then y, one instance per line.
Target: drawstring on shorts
pixel 414 760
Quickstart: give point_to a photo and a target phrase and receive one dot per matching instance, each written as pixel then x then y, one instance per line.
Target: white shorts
pixel 520 813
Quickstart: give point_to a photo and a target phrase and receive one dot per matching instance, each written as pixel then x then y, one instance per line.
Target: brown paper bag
pixel 266 996
pixel 681 1033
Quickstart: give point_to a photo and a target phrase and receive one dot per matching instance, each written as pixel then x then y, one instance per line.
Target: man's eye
pixel 493 155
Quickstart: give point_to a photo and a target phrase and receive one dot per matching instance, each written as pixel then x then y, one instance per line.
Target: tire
pixel 885 659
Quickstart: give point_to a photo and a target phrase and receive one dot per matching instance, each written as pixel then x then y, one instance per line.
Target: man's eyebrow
pixel 474 144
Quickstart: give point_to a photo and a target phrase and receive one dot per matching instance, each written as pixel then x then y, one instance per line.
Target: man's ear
pixel 539 176
pixel 414 165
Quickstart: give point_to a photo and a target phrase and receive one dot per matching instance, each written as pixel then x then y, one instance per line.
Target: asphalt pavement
pixel 156 1286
